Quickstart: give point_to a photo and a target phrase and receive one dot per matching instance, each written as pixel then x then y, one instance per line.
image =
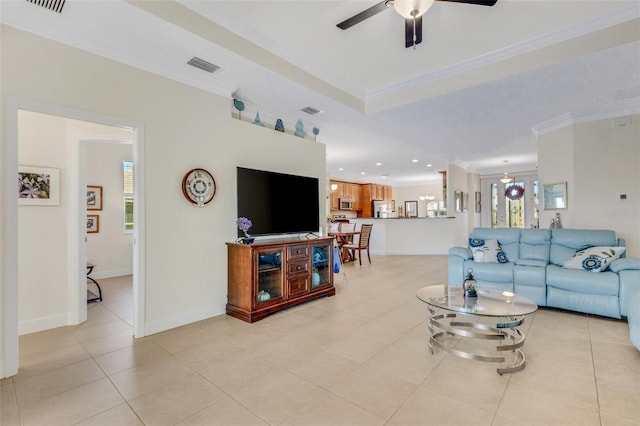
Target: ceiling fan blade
pixel 476 2
pixel 410 31
pixel 365 14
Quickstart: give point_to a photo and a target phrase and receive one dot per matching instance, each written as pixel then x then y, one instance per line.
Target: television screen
pixel 278 203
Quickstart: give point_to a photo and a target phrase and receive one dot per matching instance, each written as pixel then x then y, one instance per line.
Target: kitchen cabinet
pixel 270 275
pixel 374 192
pixel 345 190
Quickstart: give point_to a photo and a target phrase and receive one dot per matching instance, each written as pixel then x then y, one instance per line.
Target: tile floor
pixel 359 358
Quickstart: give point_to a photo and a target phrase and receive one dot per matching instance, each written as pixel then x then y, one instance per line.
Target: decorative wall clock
pixel 199 187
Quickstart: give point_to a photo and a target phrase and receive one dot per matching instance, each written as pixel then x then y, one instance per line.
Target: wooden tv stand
pixel 271 275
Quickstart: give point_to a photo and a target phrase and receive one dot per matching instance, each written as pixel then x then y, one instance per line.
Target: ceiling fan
pixel 411 11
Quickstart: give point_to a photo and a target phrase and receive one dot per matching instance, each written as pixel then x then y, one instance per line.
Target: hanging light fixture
pixel 506 178
pixel 412 9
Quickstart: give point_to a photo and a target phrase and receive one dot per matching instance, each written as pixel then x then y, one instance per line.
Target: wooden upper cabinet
pixel 388 196
pixel 361 194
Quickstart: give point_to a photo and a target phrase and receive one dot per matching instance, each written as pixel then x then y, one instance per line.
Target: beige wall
pixel 111 249
pixel 598 160
pixel 184 128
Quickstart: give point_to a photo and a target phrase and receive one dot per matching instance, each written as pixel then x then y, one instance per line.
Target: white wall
pixel 111 249
pixel 184 128
pixel 42 231
pixel 413 193
pixel 598 160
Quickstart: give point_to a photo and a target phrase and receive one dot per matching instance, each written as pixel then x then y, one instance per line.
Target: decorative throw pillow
pixel 487 251
pixel 594 259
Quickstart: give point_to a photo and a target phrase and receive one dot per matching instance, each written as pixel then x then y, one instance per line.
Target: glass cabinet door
pixel 321 265
pixel 270 275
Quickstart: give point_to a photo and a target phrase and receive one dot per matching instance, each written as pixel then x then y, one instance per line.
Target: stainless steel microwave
pixel 346 204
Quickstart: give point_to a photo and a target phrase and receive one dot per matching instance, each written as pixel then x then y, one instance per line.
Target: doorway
pixel 514 204
pixel 73 198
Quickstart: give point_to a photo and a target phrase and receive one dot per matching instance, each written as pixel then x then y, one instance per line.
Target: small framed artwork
pixel 94 197
pixel 411 208
pixel 555 196
pixel 478 200
pixel 93 224
pixel 38 186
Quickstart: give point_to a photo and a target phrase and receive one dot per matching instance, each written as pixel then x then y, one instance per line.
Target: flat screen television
pixel 278 203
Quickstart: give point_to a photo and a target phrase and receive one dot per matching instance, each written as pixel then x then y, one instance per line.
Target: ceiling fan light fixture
pixel 411 9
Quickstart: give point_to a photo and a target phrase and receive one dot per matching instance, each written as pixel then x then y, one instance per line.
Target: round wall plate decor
pixel 199 187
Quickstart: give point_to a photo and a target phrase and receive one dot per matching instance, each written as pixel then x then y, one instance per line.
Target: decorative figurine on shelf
pixel 299 129
pixel 239 106
pixel 263 296
pixel 279 125
pixel 470 285
pixel 316 132
pixel 257 120
pixel 244 224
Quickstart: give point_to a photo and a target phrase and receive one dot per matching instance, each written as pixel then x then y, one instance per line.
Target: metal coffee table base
pixel 506 329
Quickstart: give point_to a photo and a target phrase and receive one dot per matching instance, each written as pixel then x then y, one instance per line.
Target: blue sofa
pixel 535 270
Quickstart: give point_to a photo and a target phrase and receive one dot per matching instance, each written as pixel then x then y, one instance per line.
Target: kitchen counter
pixel 407 236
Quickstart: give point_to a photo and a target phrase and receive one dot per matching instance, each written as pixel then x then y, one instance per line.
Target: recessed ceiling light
pixel 378 164
pixel 429 165
pixel 363 173
pixel 341 169
pixel 414 160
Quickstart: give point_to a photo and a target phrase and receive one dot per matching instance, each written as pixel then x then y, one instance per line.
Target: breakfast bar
pixel 411 236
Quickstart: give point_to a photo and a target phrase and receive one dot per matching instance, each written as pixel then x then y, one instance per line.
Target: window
pixel 127 191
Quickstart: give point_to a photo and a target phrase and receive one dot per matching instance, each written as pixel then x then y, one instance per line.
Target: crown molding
pixel 616 109
pixel 628 14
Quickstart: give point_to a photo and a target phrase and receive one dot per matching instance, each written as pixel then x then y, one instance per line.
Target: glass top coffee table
pixel 492 315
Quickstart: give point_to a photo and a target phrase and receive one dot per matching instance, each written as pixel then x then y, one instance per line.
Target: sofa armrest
pixel 462 252
pixel 624 264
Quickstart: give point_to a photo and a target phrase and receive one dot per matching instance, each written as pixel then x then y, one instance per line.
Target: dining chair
pixel 334 227
pixel 362 242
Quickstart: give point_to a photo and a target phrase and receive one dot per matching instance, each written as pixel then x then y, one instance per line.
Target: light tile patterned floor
pixel 359 358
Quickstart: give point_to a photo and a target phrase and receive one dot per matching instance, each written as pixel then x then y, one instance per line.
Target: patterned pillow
pixel 594 259
pixel 487 251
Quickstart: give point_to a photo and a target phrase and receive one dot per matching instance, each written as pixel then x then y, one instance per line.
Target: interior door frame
pixel 9 224
pixel 485 185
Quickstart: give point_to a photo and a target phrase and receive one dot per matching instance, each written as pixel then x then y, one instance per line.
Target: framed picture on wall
pixel 555 196
pixel 93 224
pixel 38 186
pixel 94 197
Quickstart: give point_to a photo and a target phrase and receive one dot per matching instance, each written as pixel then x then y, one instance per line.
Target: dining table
pixel 342 238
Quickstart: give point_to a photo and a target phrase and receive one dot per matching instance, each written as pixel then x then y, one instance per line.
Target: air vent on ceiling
pixel 55 5
pixel 311 110
pixel 203 65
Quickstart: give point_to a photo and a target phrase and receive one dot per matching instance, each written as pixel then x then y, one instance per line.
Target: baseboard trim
pixel 112 273
pixel 41 324
pixel 167 323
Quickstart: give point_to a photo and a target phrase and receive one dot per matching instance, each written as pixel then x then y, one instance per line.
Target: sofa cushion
pixel 508 238
pixel 565 242
pixel 535 244
pixel 624 265
pixel 594 259
pixel 487 251
pixel 494 272
pixel 580 281
pixel 531 262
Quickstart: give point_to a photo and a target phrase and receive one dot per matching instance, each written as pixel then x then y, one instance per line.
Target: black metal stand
pixel 98 297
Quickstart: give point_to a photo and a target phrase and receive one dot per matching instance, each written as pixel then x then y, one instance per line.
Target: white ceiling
pixel 469 94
